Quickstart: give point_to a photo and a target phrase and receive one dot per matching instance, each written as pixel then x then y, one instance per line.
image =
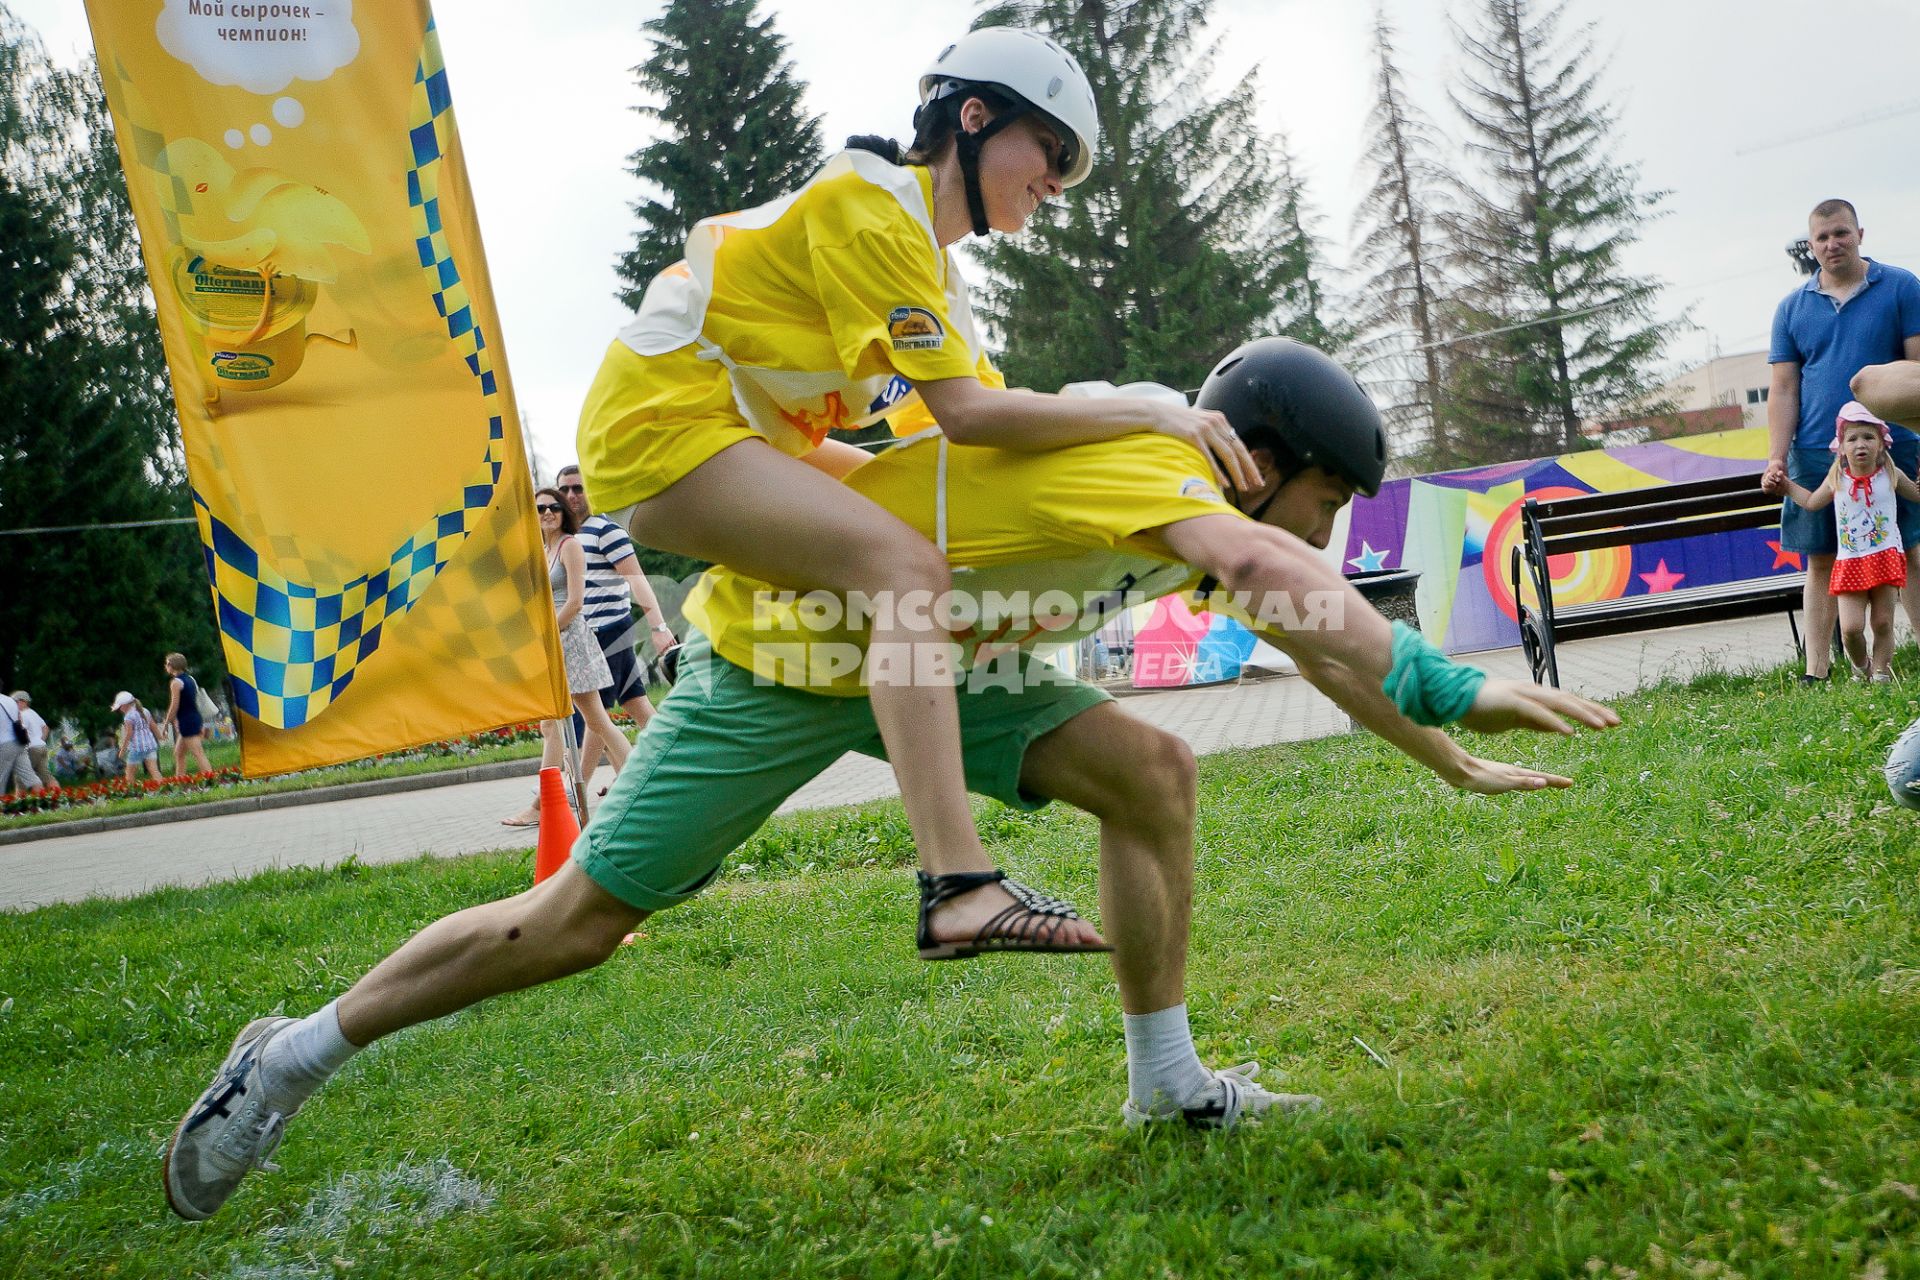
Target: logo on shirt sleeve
pixel 1199 489
pixel 915 329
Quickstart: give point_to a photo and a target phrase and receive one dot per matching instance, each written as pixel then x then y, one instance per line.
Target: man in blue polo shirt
pixel 1854 312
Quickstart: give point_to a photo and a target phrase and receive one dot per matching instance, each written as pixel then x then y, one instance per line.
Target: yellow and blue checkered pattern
pixel 292 649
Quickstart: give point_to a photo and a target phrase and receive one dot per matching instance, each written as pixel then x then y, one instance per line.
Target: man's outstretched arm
pixel 1892 390
pixel 1349 654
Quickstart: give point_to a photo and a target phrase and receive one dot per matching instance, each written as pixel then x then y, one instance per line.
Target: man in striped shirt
pixel 614 584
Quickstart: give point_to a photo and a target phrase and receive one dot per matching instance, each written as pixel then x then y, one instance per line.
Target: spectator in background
pixel 586 666
pixel 67 763
pixel 139 744
pixel 36 735
pixel 16 769
pixel 184 716
pixel 1852 313
pixel 614 585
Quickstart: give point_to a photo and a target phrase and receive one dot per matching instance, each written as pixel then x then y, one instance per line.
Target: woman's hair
pixel 176 662
pixel 937 121
pixel 567 524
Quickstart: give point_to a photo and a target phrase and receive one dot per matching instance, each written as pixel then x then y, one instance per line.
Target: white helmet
pixel 1033 70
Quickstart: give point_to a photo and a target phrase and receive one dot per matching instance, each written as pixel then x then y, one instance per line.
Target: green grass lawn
pixel 1665 1024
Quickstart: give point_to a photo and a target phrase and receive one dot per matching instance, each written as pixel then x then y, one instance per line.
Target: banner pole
pixel 579 788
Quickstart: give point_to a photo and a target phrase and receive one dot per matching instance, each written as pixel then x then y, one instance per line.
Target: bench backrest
pixel 1653 514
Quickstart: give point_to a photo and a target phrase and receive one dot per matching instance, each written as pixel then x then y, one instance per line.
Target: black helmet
pixel 1285 396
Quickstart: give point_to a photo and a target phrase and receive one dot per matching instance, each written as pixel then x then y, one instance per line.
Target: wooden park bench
pixel 1660 513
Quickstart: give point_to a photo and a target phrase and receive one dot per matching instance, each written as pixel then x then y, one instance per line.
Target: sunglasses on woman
pixel 547 508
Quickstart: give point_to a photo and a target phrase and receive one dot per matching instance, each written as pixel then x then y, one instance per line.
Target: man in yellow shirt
pixel 746 726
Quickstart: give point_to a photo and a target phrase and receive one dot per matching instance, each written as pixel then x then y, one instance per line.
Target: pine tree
pixel 1176 248
pixel 735 132
pixel 1400 247
pixel 87 432
pixel 1306 310
pixel 1541 237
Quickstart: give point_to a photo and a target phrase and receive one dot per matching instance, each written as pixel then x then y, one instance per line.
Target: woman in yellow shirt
pixel 835 307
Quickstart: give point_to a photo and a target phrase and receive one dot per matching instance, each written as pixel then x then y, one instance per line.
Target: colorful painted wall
pixel 1458 528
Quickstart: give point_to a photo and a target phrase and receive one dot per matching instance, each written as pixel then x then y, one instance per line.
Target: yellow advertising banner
pixel 352 444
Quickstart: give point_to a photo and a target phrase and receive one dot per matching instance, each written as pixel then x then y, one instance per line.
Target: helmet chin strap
pixel 967 147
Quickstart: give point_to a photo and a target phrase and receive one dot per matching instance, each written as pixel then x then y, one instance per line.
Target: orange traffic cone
pixel 558 827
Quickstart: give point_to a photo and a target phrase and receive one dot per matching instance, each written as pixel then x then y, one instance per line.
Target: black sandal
pixel 1033 923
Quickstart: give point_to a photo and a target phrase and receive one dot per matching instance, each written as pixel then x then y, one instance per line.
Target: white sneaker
pixel 1231 1098
pixel 229 1132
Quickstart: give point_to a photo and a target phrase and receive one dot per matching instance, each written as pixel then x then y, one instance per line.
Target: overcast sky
pixel 1716 100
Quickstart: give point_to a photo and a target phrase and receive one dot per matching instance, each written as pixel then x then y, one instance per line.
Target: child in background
pixel 1870 567
pixel 183 715
pixel 138 741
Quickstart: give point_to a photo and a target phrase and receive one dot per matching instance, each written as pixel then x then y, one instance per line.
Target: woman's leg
pixel 1853 627
pixel 197 743
pixel 603 737
pixel 755 510
pixel 551 751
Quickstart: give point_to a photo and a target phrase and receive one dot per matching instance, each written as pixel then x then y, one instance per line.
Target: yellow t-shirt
pixel 1045 547
pixel 824 306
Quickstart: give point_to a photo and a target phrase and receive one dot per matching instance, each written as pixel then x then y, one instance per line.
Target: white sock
pixel 1162 1065
pixel 302 1058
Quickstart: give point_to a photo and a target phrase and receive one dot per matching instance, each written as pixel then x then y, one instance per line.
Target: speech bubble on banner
pixel 261 47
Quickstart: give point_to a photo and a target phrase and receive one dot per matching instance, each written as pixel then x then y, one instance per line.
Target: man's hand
pixel 1520 704
pixel 1493 778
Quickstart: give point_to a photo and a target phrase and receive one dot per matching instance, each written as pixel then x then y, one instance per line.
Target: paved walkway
pixel 454 820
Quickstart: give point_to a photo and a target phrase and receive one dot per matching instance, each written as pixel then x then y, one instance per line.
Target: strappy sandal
pixel 1033 923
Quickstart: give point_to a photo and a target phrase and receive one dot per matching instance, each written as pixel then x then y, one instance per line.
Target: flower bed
pixel 57 798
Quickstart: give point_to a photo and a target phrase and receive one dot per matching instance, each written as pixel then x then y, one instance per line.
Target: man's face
pixel 1307 504
pixel 1835 241
pixel 574 493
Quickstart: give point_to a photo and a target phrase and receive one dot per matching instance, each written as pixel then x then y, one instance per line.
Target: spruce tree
pixel 1305 309
pixel 1400 249
pixel 1176 248
pixel 1542 236
pixel 733 122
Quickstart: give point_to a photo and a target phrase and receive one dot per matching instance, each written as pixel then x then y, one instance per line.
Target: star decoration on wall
pixel 1783 558
pixel 1661 579
pixel 1369 560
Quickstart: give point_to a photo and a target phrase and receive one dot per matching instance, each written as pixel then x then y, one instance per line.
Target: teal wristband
pixel 1426 686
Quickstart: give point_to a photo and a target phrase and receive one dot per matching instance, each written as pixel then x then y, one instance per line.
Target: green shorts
pixel 723 752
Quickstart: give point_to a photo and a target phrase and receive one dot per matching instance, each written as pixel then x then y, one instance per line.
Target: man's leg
pixel 1140 783
pixel 1906 456
pixel 1821 613
pixel 1911 593
pixel 628 691
pixel 724 758
pixel 1813 535
pixel 559 927
pixel 562 926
